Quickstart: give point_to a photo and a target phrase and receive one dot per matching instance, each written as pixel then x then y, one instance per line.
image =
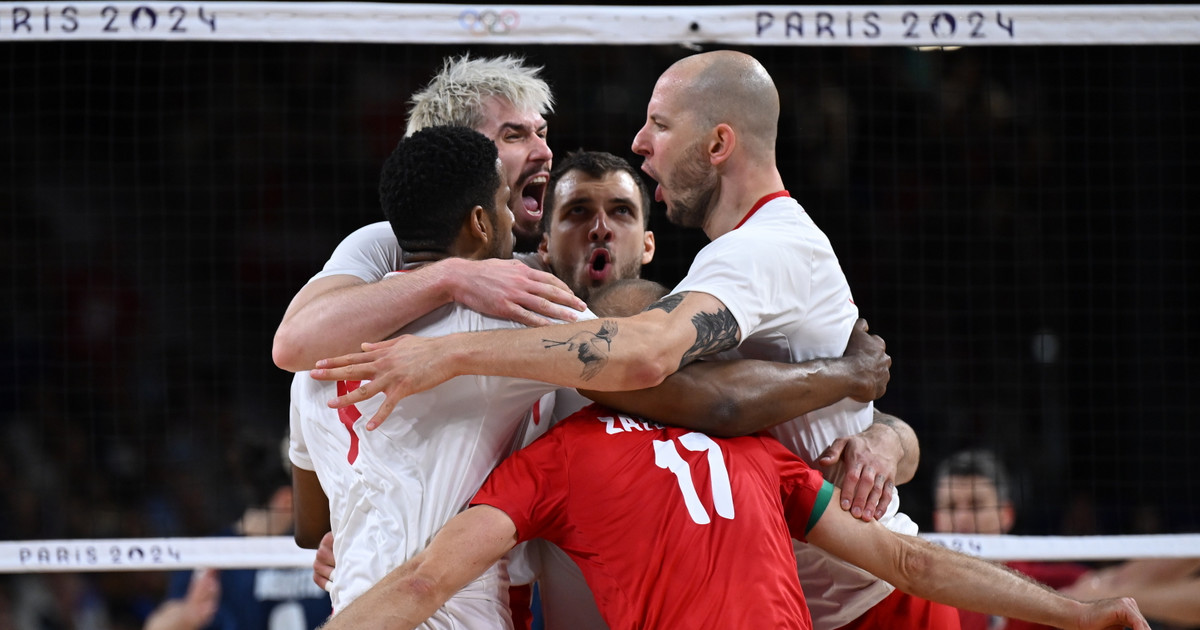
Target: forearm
pixel 334 316
pixel 401 601
pixel 909 445
pixel 461 551
pixel 604 354
pixel 731 398
pixel 310 508
pixel 939 574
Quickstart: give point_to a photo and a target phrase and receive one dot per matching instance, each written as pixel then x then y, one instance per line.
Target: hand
pixel 864 468
pixel 197 608
pixel 1114 614
pixel 872 362
pixel 398 367
pixel 323 563
pixel 510 289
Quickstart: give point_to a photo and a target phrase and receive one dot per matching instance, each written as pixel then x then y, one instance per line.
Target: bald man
pixel 768 286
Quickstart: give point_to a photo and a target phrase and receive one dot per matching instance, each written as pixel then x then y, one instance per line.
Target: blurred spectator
pixel 249 599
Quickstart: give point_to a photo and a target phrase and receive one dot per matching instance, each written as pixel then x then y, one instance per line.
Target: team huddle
pixel 488 398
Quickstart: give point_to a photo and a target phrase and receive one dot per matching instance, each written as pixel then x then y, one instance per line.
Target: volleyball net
pixel 1009 189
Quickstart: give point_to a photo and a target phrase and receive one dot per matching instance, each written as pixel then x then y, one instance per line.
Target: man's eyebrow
pixel 522 127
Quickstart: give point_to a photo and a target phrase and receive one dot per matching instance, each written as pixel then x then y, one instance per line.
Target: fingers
pixel 355 396
pixel 528 318
pixel 384 409
pixel 344 361
pixel 852 499
pixel 562 296
pixel 832 453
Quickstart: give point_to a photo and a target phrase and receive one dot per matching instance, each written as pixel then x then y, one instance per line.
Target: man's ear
pixel 647 247
pixel 479 225
pixel 1008 517
pixel 721 144
pixel 543 250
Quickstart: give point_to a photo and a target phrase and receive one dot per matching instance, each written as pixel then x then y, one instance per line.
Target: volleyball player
pixel 675 529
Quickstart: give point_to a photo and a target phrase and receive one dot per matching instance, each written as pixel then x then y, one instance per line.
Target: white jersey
pixel 322 442
pixel 780 279
pixel 425 463
pixel 371 252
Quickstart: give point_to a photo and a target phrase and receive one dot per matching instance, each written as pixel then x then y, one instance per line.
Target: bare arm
pixel 608 354
pixel 1166 589
pixel 939 574
pixel 334 315
pixel 732 398
pixel 461 551
pixel 196 610
pixel 310 508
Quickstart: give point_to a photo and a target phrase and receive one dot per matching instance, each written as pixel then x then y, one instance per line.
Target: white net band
pixel 767 25
pixel 149 554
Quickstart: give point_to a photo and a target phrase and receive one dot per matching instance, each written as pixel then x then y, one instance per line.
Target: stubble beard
pixel 696 184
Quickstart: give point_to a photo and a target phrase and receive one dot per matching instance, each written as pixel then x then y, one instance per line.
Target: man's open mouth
pixel 532 195
pixel 598 263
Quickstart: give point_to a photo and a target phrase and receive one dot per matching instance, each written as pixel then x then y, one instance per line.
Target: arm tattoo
pixel 668 303
pixel 591 348
pixel 715 332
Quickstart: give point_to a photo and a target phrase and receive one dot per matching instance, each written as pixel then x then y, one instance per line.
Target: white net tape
pixel 150 554
pixel 767 25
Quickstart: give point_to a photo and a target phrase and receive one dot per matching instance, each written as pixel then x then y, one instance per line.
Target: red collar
pixel 760 203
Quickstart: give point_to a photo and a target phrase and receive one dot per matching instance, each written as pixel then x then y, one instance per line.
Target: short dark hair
pixel 595 164
pixel 432 180
pixel 977 463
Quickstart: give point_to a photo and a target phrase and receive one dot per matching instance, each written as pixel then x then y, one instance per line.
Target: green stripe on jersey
pixel 822 502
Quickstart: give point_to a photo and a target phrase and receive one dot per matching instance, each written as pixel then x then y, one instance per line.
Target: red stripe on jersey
pixel 348 415
pixel 760 203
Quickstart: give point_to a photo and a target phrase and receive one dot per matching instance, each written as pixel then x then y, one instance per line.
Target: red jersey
pixel 672 528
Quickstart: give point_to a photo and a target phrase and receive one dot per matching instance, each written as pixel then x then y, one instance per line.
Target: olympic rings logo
pixel 489 22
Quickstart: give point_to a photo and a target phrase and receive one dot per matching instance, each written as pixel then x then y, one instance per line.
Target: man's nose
pixel 600 230
pixel 640 146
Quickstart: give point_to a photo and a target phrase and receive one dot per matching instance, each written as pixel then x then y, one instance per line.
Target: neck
pixel 416 260
pixel 739 191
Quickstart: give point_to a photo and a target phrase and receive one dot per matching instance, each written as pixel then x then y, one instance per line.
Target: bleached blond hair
pixel 455 95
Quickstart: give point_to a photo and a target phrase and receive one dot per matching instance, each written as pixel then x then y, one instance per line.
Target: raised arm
pixel 335 314
pixel 461 551
pixel 612 354
pixel 939 574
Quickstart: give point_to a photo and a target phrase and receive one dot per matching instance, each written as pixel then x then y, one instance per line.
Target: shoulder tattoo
pixel 715 332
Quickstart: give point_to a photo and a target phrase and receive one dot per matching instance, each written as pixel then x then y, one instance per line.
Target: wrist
pixel 447 278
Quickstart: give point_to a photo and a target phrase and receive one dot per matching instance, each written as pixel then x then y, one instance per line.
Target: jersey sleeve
pixel 804 492
pixel 531 487
pixel 367 253
pixel 297 446
pixel 743 275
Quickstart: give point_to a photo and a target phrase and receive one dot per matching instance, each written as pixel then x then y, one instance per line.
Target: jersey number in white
pixel 667 457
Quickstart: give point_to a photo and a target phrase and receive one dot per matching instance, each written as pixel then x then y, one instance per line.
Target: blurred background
pixel 1015 222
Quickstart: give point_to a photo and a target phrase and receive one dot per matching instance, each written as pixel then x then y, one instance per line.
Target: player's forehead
pixel 499 114
pixel 576 188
